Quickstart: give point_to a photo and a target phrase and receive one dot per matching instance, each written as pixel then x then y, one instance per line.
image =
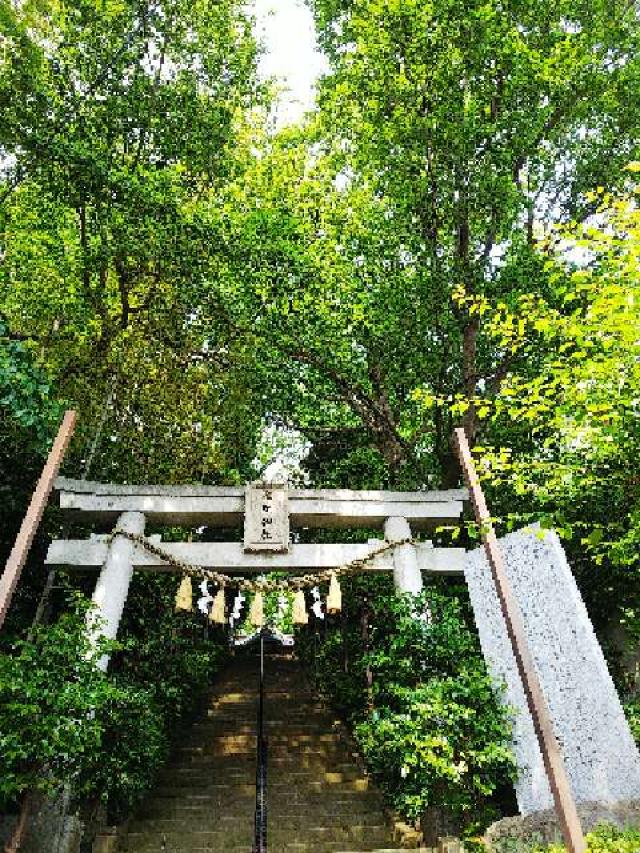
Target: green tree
pixel 119 124
pixel 118 119
pixel 447 134
pixel 561 437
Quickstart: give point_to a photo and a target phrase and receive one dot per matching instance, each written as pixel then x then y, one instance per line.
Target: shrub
pixel 430 727
pixel 608 839
pixel 444 745
pixel 51 701
pixel 134 742
pixel 603 839
pixel 62 720
pixel 632 710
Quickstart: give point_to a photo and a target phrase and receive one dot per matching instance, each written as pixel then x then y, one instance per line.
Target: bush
pixel 602 839
pixel 134 743
pixel 447 747
pixel 608 839
pixel 51 700
pixel 62 720
pixel 430 727
pixel 632 710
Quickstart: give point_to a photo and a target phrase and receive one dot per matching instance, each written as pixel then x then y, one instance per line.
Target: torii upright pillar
pixel 406 572
pixel 112 587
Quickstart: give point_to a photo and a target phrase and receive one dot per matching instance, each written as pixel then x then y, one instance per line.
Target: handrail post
pixel 260 842
pixel 552 757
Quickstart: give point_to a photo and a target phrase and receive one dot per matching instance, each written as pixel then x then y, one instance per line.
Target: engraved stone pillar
pixel 406 574
pixel 112 587
pixel 601 758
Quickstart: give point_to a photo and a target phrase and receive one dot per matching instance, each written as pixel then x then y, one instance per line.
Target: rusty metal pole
pixel 549 747
pixel 24 539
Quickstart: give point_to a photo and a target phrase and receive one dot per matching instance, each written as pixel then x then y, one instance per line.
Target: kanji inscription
pixel 266 518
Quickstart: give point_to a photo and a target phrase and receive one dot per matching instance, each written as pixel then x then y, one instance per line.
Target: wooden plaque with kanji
pixel 266 518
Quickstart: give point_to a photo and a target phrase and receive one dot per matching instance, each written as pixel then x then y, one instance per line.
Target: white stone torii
pixel 129 507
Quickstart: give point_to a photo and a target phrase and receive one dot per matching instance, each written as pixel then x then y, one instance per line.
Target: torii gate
pixel 550 660
pixel 268 513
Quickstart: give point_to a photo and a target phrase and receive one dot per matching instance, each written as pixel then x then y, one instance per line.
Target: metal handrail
pixel 260 842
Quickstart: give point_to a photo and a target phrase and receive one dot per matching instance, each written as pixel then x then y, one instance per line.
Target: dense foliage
pixel 51 695
pixel 562 439
pixel 119 120
pixel 410 677
pixel 602 839
pixel 64 722
pixel 454 131
pixel 608 839
pixel 117 117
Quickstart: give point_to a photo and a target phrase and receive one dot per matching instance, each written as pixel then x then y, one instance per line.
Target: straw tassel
pixel 217 614
pixel 334 599
pixel 184 596
pixel 256 614
pixel 300 615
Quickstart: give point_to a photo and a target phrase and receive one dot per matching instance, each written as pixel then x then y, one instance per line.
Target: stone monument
pixel 602 760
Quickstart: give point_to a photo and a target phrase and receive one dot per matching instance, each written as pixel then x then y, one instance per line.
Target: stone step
pixel 352 825
pixel 298 753
pixel 293 847
pixel 217 789
pixel 306 734
pixel 193 746
pixel 328 782
pixel 212 810
pixel 295 775
pixel 273 715
pixel 214 789
pixel 168 808
pixel 293 761
pixel 185 777
pixel 301 847
pixel 276 739
pixel 158 810
pixel 364 846
pixel 338 798
pixel 278 787
pixel 143 838
pixel 225 754
pixel 210 842
pixel 277 750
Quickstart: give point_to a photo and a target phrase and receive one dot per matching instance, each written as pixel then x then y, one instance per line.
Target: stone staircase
pixel 318 798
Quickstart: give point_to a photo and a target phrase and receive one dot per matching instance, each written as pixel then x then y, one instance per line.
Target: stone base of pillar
pixel 105 842
pixel 50 828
